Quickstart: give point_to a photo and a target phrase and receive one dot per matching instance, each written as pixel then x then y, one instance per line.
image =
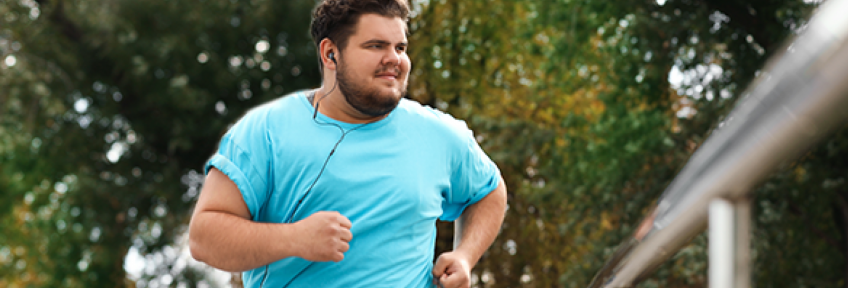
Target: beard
pixel 368 100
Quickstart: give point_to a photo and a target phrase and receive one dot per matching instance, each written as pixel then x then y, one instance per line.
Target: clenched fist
pixel 324 236
pixel 452 270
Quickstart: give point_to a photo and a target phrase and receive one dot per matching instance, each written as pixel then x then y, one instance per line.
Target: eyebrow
pixel 384 42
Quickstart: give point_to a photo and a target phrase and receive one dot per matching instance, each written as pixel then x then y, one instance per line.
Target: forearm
pixel 478 227
pixel 235 244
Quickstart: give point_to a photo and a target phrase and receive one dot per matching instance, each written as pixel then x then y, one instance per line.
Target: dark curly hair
pixel 336 19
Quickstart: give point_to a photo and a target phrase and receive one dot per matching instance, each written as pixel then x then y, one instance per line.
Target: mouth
pixel 388 74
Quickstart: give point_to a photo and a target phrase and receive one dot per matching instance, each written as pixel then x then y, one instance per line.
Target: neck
pixel 335 106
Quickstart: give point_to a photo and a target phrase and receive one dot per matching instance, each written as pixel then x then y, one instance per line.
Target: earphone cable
pixel 320 173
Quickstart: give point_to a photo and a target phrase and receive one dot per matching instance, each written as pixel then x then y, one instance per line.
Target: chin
pixel 397 90
pixel 396 93
pixel 393 92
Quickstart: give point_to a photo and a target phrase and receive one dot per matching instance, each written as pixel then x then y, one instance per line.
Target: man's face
pixel 373 69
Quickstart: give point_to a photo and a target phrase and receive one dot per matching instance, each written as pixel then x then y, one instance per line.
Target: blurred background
pixel 109 109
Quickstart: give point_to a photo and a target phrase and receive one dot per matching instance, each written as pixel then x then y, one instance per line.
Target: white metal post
pixel 729 240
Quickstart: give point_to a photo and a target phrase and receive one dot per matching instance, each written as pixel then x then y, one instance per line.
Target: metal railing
pixel 801 96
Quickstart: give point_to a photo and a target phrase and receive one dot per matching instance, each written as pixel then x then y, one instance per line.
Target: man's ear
pixel 329 52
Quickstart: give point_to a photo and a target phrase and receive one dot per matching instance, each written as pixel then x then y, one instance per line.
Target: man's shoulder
pixel 416 109
pixel 286 102
pixel 281 106
pixel 259 118
pixel 429 117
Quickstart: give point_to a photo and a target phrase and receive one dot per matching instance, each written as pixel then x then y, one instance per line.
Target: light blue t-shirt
pixel 392 178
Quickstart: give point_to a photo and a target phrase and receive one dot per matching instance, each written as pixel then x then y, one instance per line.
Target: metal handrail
pixel 800 98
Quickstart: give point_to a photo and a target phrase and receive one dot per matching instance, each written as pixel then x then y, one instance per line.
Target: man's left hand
pixel 452 270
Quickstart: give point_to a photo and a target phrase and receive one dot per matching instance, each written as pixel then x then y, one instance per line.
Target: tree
pixel 572 98
pixel 109 111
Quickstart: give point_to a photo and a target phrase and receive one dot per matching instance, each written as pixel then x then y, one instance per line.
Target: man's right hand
pixel 324 236
pixel 223 235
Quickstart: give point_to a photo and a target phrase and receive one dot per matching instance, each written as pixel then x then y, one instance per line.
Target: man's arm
pixel 222 235
pixel 476 229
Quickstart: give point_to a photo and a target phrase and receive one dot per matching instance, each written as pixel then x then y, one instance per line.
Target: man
pixel 341 186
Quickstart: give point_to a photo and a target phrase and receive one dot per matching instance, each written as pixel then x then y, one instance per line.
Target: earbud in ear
pixel 332 57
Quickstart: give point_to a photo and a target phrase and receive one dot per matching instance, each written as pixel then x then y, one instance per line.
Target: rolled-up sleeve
pixel 474 176
pixel 243 156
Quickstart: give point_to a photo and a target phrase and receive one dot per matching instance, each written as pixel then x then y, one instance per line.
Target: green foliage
pixel 110 111
pixel 111 108
pixel 572 99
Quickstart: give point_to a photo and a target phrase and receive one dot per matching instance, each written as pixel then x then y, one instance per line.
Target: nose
pixel 392 57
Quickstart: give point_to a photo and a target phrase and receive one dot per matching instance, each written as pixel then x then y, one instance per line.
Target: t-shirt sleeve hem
pixel 238 177
pixel 490 186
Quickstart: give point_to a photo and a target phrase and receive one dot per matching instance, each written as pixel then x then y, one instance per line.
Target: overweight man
pixel 342 186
